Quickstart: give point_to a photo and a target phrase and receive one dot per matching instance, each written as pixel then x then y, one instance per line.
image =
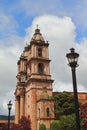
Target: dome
pixel 37 36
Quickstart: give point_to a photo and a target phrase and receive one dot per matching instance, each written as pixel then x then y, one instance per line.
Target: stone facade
pixel 34 84
pixel 82 97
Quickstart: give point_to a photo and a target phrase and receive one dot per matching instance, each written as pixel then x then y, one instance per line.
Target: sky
pixel 62 22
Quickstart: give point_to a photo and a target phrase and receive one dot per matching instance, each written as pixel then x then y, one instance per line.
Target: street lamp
pixel 9 109
pixel 73 59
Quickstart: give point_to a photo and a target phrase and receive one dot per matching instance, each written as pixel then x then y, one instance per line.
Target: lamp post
pixel 73 59
pixel 9 110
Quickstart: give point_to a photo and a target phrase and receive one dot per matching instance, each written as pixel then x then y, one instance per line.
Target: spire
pixel 37 36
pixel 37 26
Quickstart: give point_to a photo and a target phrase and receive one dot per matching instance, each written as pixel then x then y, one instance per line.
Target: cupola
pixel 37 37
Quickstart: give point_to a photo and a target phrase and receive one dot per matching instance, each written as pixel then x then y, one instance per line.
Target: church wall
pixel 82 97
pixel 34 79
pixel 38 86
pixel 42 117
pixel 31 107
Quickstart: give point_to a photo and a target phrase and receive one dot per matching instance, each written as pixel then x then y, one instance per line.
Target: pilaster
pixel 21 105
pixel 17 110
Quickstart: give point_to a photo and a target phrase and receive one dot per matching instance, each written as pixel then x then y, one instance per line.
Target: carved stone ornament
pixel 20 91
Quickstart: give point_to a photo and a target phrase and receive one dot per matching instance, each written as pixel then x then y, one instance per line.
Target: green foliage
pixel 64 104
pixel 68 122
pixel 65 123
pixel 42 127
pixel 55 125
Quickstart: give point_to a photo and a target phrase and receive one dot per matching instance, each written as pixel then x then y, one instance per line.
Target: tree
pixel 55 125
pixel 15 127
pixel 68 122
pixel 42 127
pixel 64 104
pixel 83 115
pixel 24 123
pixel 4 126
pixel 65 123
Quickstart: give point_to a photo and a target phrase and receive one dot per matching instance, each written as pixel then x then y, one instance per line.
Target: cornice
pixel 39 59
pixel 40 80
pixel 39 43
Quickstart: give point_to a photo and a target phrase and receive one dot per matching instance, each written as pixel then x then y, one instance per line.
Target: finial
pixel 10 102
pixel 37 31
pixel 26 44
pixel 37 26
pixel 72 50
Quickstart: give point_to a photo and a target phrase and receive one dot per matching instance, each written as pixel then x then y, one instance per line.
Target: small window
pixel 39 52
pixel 30 69
pixel 28 116
pixel 40 68
pixel 39 112
pixel 47 112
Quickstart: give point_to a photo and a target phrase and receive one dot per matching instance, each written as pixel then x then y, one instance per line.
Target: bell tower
pixel 34 86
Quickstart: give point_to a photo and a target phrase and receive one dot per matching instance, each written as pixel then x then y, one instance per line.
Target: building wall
pixel 32 78
pixel 82 97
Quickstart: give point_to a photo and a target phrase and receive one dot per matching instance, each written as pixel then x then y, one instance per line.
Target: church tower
pixel 34 84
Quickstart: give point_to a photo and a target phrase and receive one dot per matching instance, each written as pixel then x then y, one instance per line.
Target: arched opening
pixel 28 116
pixel 47 112
pixel 40 52
pixel 30 69
pixel 39 113
pixel 40 68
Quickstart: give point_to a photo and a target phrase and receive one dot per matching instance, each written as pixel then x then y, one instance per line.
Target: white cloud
pixel 8 69
pixel 60 32
pixel 11 46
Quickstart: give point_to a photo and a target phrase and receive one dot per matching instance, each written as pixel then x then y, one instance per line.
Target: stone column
pixel 17 110
pixel 22 105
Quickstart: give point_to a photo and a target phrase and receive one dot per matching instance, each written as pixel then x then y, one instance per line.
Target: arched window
pixel 39 113
pixel 28 116
pixel 40 68
pixel 47 112
pixel 39 52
